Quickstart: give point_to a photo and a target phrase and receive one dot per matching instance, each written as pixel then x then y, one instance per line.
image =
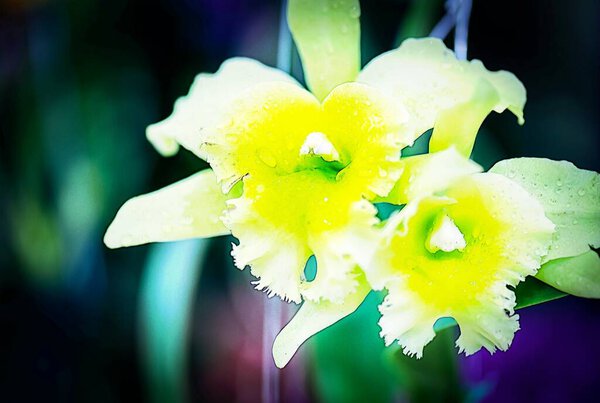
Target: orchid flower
pixel 295 172
pixel 452 251
pixel 307 162
pixel 465 239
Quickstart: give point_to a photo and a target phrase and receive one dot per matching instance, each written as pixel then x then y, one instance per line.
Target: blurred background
pixel 79 82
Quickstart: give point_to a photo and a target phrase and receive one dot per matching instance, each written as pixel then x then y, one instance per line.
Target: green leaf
pixel 534 292
pixel 577 275
pixel 419 18
pixel 327 33
pixel 349 360
pixel 433 378
pixel 570 197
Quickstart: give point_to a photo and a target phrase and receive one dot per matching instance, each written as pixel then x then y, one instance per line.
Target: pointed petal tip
pixel 280 355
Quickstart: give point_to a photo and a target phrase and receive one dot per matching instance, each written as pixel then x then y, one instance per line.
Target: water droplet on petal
pixel 581 192
pixel 267 158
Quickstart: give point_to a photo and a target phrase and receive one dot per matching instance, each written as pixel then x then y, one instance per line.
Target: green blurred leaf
pixel 35 235
pixel 419 19
pixel 533 292
pixel 327 34
pixel 433 378
pixel 349 360
pixel 577 275
pixel 166 297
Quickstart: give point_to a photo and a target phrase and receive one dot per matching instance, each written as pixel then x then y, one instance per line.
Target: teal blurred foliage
pixel 167 296
pixel 80 81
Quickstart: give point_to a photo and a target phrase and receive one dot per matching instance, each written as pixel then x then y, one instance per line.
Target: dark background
pixel 80 81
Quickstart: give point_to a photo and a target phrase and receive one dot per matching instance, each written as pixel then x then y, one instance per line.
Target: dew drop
pixel 581 192
pixel 260 188
pixel 559 183
pixel 511 174
pixel 267 158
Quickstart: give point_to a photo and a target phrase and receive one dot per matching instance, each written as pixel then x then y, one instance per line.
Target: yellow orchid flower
pixel 453 251
pixel 294 172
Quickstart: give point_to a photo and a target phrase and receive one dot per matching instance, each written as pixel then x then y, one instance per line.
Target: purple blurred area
pixel 553 358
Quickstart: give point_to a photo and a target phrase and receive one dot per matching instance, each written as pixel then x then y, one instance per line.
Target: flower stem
pixel 458 13
pixel 461 32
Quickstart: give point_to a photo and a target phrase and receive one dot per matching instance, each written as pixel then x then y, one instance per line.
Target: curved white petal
pixel 424 175
pixel 190 208
pixel 570 197
pixel 327 34
pixel 210 96
pixel 427 78
pixel 311 318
